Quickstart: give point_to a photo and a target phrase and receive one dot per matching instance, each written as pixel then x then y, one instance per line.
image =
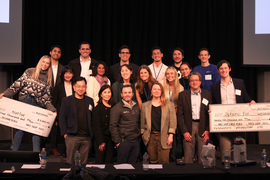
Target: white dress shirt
pixel 85 71
pixel 195 104
pixel 227 93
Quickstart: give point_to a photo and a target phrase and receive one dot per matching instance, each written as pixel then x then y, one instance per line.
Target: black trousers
pixel 105 156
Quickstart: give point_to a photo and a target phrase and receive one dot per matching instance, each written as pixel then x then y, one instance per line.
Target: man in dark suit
pixel 229 91
pixel 124 54
pixel 192 116
pixel 75 121
pixel 57 67
pixel 84 65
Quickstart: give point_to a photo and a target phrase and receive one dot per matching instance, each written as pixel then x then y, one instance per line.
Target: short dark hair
pixel 156 47
pixel 126 86
pixel 179 49
pixel 204 49
pixel 54 46
pixel 124 47
pixel 96 66
pixel 106 86
pixel 222 62
pixel 186 63
pixel 194 73
pixel 76 79
pixel 84 42
pixel 66 69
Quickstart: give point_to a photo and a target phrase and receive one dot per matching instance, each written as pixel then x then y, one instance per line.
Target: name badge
pixel 238 92
pixel 208 77
pixel 205 101
pixel 90 107
pixel 89 72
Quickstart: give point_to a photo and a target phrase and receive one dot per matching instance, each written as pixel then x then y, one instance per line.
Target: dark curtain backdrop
pixel 140 24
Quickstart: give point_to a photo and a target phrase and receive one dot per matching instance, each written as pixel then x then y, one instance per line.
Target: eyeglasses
pixel 124 52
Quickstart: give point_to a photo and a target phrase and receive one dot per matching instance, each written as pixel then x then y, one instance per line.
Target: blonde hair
pixel 37 70
pixel 177 87
pixel 162 97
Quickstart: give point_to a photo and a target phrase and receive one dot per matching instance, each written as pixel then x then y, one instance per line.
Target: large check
pixel 26 117
pixel 239 117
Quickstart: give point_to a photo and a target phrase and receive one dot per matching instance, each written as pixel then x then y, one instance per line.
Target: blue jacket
pixel 68 115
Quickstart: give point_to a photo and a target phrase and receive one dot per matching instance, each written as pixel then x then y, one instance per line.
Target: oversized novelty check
pixel 26 117
pixel 239 117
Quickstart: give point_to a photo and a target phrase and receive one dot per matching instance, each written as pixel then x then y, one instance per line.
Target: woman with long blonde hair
pixel 171 85
pixel 34 89
pixel 158 124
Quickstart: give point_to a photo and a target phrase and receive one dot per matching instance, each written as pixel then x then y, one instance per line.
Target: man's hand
pixel 251 102
pixel 187 137
pixel 117 144
pixel 65 136
pixel 102 147
pixel 205 136
pixel 1 95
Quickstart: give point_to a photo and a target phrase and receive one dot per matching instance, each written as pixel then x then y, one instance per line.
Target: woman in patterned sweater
pixel 34 89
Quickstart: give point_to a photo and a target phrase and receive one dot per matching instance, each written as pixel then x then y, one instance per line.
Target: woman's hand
pixel 101 147
pixel 170 139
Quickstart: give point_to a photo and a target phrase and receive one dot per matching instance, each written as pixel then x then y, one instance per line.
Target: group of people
pixel 125 104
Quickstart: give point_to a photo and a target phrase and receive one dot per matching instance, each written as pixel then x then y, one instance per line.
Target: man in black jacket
pixel 84 65
pixel 125 127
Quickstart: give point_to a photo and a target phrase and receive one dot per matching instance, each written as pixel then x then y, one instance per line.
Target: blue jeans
pixel 19 133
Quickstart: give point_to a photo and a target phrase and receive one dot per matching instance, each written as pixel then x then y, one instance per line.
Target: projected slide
pixel 262 17
pixel 256 32
pixel 4 11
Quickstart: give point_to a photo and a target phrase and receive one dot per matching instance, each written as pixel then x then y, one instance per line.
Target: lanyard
pixel 156 76
pixel 146 93
pixel 170 96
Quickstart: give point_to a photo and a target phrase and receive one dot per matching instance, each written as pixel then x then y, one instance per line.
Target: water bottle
pixel 145 161
pixel 227 160
pixel 77 158
pixel 43 160
pixel 263 159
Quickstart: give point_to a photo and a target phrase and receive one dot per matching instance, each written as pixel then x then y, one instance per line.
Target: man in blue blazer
pixel 229 91
pixel 75 121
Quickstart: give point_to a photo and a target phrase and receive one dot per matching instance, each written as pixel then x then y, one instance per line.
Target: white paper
pixel 64 169
pixel 123 166
pixel 153 166
pixel 26 117
pixel 7 171
pixel 100 166
pixel 31 166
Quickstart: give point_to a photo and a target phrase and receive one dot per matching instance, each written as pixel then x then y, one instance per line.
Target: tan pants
pixel 156 153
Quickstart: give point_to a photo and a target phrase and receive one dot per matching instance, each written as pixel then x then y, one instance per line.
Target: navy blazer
pixel 68 115
pixel 238 84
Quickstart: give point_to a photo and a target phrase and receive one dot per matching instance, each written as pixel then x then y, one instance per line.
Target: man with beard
pixel 178 56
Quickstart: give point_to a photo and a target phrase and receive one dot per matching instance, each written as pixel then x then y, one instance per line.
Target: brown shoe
pixel 55 152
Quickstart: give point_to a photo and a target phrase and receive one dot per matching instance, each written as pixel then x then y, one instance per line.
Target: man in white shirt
pixel 157 67
pixel 229 91
pixel 192 116
pixel 57 67
pixel 84 65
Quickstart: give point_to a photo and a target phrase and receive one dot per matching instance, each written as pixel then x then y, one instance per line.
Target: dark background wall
pixel 140 24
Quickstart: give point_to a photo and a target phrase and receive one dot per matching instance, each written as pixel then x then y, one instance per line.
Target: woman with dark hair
pixel 101 120
pixel 96 80
pixel 143 85
pixel 126 78
pixel 29 86
pixel 158 124
pixel 185 70
pixel 61 91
